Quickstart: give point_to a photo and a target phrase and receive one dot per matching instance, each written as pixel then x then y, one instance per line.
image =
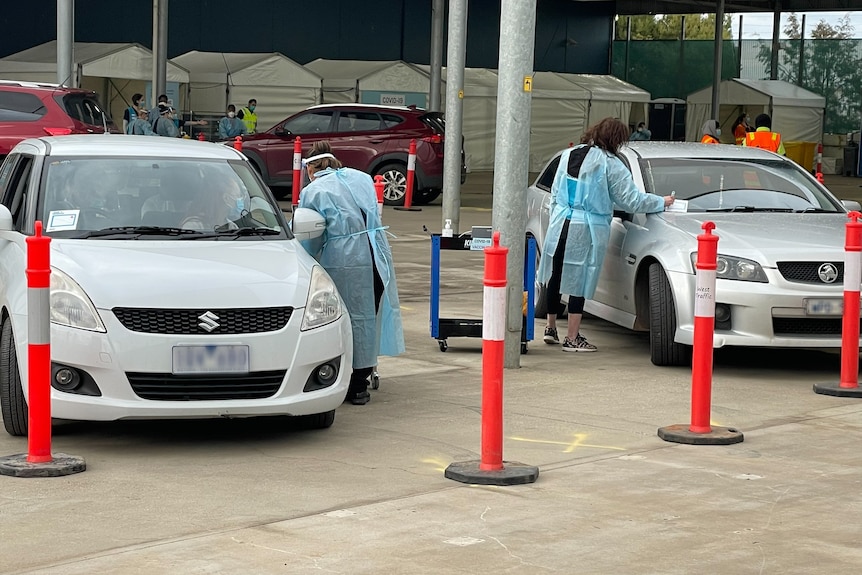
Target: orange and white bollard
pixel 411 180
pixel 699 431
pixel 201 137
pixel 379 186
pixel 39 462
pixel 491 469
pixel 237 143
pixel 297 171
pixel 848 385
pixel 819 166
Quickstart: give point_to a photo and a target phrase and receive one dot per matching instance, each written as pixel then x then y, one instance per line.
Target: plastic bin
pixel 802 153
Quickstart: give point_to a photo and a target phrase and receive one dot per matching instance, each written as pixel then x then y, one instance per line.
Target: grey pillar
pixel 716 60
pixel 511 163
pixel 628 46
pixel 680 87
pixel 437 9
pixel 456 54
pixel 66 43
pixel 801 53
pixel 739 50
pixel 160 48
pixel 776 29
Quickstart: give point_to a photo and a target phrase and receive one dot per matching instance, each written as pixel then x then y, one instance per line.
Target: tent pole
pixel 716 62
pixel 65 42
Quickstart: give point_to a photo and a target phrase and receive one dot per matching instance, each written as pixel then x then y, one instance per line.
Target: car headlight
pixel 324 304
pixel 731 268
pixel 70 306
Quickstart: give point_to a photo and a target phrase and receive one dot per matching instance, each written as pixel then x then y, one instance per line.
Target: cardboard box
pixel 833 166
pixel 833 152
pixel 830 140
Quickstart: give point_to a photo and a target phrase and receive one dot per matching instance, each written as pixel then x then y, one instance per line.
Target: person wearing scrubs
pixel 589 181
pixel 711 131
pixel 356 254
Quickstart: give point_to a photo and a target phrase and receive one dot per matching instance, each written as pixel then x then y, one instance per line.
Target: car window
pixel 90 194
pixel 546 180
pixel 310 123
pixel 391 120
pixel 20 107
pixel 85 108
pixel 15 197
pixel 718 184
pixel 5 172
pixel 358 122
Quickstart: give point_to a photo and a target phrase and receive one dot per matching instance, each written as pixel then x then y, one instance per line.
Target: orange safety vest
pixel 739 134
pixel 707 139
pixel 766 140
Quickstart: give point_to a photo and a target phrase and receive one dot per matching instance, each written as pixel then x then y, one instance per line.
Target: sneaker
pixel 579 344
pixel 551 336
pixel 358 398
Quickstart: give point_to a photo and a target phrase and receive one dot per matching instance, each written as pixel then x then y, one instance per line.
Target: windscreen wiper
pixel 235 233
pixel 123 231
pixel 749 209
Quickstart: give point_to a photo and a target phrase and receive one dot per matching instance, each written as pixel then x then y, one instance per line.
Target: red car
pixel 371 138
pixel 31 110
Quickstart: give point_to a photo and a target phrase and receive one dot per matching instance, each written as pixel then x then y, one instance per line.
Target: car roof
pixel 357 106
pixel 123 145
pixel 651 150
pixel 40 87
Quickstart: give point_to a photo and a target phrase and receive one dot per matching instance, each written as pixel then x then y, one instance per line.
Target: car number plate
pixel 197 359
pixel 832 306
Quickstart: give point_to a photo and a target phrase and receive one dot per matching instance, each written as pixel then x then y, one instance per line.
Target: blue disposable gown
pixel 588 203
pixel 343 197
pixel 139 127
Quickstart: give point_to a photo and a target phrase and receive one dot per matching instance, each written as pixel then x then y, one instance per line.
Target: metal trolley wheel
pixel 375 380
pixel 443 344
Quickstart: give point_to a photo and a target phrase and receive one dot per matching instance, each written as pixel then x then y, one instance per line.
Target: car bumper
pixel 761 314
pixel 109 360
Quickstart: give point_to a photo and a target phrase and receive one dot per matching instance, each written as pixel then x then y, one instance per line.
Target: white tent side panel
pixel 798 124
pixel 396 77
pixel 554 125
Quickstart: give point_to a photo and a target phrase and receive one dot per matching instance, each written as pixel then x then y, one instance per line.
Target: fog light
pixel 326 374
pixel 722 316
pixel 66 379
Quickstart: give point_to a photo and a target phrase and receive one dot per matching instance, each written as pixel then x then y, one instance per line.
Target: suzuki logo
pixel 827 273
pixel 209 321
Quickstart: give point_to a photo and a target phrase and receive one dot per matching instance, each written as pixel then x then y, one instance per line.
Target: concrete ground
pixel 369 496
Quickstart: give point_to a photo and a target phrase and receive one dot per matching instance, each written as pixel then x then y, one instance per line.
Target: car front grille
pixel 168 387
pixel 204 321
pixel 807 272
pixel 807 326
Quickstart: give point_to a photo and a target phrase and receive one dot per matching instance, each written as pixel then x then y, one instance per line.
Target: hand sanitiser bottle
pixel 447 229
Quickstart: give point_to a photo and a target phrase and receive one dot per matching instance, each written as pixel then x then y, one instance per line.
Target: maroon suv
pixel 368 137
pixel 30 110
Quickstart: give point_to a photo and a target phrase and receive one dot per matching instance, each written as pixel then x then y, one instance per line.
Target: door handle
pixel 376 141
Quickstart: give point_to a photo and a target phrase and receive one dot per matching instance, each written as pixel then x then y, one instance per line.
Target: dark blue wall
pixel 570 36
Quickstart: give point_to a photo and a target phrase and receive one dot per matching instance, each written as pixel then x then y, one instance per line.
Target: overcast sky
pixel 760 25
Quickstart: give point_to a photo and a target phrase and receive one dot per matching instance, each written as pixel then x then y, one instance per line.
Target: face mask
pixel 718 132
pixel 747 120
pixel 251 108
pixel 640 129
pixel 230 114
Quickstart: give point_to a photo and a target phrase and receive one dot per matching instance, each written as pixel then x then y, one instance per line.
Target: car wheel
pixel 395 182
pixel 662 322
pixel 318 420
pixel 426 196
pixel 13 406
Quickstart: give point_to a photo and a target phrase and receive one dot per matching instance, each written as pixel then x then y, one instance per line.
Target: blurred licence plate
pixel 191 359
pixel 832 306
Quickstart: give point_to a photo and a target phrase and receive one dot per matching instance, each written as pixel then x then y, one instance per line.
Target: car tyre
pixel 13 406
pixel 318 420
pixel 426 196
pixel 395 182
pixel 662 322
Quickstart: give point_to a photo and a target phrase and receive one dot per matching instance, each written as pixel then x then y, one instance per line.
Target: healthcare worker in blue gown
pixel 590 179
pixel 356 254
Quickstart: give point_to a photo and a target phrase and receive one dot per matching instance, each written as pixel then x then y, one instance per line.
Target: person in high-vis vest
pixel 711 132
pixel 248 117
pixel 764 137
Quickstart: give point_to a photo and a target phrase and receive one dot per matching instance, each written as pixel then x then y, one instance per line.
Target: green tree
pixel 830 67
pixel 667 27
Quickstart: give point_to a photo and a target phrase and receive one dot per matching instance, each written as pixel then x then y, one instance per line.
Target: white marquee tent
pixel 114 70
pixel 797 114
pixel 388 82
pixel 281 86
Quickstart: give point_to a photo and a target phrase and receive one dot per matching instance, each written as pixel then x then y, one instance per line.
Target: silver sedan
pixel 781 249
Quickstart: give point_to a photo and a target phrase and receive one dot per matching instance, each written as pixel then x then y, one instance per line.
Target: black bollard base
pixel 513 473
pixel 410 209
pixel 834 388
pixel 718 436
pixel 60 465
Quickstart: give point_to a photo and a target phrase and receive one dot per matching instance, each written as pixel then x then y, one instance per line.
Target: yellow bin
pixel 802 153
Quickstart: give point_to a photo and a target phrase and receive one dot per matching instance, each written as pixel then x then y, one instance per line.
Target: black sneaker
pixel 551 336
pixel 580 343
pixel 358 398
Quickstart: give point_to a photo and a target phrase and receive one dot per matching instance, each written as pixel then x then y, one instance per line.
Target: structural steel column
pixel 437 9
pixel 456 54
pixel 66 43
pixel 776 25
pixel 511 163
pixel 160 48
pixel 716 60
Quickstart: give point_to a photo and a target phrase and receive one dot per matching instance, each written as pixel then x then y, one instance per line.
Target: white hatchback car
pixel 178 290
pixel 781 249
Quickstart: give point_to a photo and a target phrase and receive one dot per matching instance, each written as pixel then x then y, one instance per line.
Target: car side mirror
pixel 281 131
pixel 852 205
pixel 5 219
pixel 307 224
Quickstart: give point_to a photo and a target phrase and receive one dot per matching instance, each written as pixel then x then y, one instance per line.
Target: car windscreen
pixel 708 184
pixel 156 198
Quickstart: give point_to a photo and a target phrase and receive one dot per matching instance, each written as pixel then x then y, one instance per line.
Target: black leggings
pixel 555 305
pixel 359 377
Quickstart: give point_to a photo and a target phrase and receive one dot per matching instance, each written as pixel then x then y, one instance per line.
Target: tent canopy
pixel 281 86
pixel 797 114
pixel 105 60
pixel 388 82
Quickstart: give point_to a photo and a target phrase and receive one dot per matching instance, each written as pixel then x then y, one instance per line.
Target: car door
pixel 16 175
pixel 277 149
pixel 358 138
pixel 539 202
